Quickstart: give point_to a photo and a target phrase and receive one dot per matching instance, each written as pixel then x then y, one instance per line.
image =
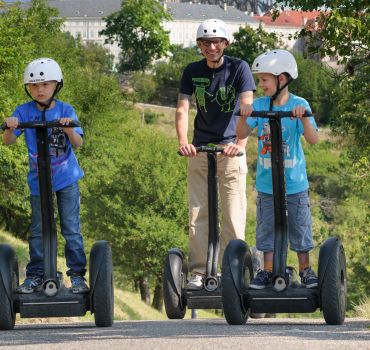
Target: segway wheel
pixel 9 281
pixel 237 272
pixel 101 284
pixel 334 287
pixel 173 282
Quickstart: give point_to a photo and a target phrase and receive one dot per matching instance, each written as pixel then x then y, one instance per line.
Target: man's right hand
pixel 187 150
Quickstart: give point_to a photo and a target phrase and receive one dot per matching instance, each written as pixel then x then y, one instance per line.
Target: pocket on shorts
pixel 304 212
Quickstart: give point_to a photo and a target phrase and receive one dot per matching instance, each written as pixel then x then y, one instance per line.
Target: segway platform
pixel 203 299
pixel 64 304
pixel 293 299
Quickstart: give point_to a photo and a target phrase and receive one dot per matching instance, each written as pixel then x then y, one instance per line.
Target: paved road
pixel 276 334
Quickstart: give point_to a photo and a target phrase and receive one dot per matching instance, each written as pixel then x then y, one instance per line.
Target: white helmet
pixel 276 62
pixel 213 28
pixel 42 69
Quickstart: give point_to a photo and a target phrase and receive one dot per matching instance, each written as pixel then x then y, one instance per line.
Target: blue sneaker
pixel 308 278
pixel 79 284
pixel 262 280
pixel 31 284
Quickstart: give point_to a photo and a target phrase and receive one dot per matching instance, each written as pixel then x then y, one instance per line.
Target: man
pixel 222 86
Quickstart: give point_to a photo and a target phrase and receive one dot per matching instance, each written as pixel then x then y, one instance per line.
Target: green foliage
pixel 314 83
pixel 144 87
pixel 138 30
pixel 342 28
pixel 151 117
pixel 138 200
pixel 249 43
pixel 167 75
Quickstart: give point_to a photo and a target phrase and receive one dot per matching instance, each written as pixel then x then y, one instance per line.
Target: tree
pixel 342 30
pixel 249 43
pixel 138 30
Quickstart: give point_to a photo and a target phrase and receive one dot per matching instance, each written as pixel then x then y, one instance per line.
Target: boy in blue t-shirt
pixel 275 70
pixel 43 79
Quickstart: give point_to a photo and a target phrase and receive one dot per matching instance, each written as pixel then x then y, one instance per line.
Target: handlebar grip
pixel 210 149
pixel 43 124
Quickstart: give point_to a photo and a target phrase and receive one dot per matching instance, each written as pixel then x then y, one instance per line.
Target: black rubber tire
pixel 103 293
pixel 235 310
pixel 10 267
pixel 334 288
pixel 175 304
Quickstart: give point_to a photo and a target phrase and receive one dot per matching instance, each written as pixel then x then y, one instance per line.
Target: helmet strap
pixel 279 89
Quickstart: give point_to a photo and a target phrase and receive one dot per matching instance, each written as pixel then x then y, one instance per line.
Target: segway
pixel 55 299
pixel 285 295
pixel 175 275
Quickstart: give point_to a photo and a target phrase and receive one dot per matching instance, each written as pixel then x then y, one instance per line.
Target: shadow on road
pixel 64 333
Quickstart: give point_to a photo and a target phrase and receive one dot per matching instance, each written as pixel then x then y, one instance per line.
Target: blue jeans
pixel 68 200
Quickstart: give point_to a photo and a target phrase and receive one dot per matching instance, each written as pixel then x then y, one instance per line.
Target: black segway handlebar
pixel 43 124
pixel 275 114
pixel 211 149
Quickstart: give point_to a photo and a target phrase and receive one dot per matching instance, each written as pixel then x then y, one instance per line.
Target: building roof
pixel 86 8
pixel 178 11
pixel 289 18
pixel 201 12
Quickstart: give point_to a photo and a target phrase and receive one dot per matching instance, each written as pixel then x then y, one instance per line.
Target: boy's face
pixel 267 82
pixel 42 92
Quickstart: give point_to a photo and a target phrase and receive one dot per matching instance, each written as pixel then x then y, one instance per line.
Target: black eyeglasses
pixel 215 42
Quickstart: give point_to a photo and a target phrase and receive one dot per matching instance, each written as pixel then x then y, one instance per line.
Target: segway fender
pixel 173 256
pixel 7 255
pixel 97 252
pixel 235 250
pixel 326 250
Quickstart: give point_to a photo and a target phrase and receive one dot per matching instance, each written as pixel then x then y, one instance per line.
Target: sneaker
pixel 195 282
pixel 262 280
pixel 308 278
pixel 31 284
pixel 79 284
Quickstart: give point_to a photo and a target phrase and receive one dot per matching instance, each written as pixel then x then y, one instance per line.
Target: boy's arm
pixel 8 136
pixel 310 133
pixel 74 138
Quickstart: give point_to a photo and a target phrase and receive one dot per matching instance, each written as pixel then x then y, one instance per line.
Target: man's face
pixel 213 48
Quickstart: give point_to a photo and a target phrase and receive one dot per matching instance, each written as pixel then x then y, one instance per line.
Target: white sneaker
pixel 195 282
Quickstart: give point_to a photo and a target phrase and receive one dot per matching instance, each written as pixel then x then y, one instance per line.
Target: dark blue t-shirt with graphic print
pixel 217 97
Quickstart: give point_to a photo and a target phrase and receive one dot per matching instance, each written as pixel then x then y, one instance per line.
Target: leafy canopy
pixel 137 28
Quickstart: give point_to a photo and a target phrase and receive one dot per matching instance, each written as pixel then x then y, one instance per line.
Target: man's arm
pixel 242 128
pixel 181 121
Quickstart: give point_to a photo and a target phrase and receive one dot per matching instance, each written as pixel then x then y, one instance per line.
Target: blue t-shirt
pixel 65 169
pixel 217 96
pixel 294 160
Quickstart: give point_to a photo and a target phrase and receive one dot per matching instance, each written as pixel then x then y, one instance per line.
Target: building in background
pixel 85 18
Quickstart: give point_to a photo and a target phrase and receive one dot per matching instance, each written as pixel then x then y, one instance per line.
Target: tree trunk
pixel 158 296
pixel 144 289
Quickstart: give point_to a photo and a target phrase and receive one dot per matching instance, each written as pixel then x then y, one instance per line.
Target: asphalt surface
pixel 204 334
